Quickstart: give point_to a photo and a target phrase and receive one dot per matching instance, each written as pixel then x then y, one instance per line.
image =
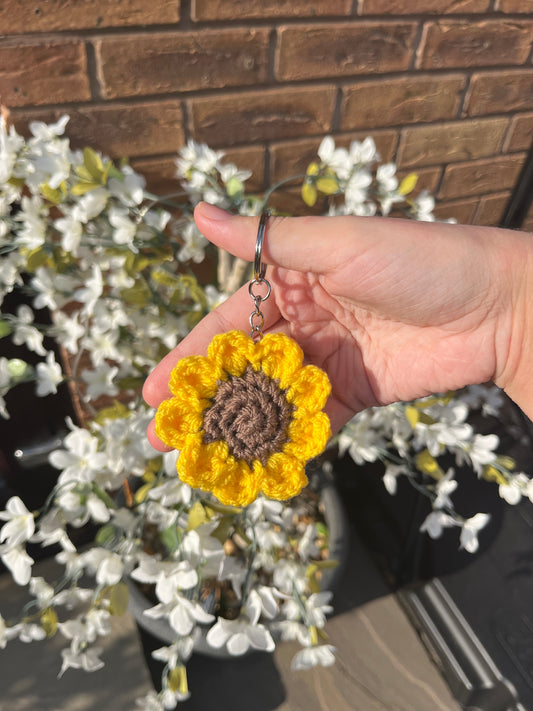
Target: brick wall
pixel 444 86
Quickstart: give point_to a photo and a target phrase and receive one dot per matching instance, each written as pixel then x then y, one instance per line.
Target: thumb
pixel 304 244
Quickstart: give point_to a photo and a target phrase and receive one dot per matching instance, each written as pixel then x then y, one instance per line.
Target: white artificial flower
pixel 67 330
pixel 267 536
pixel 422 207
pixel 125 229
pixel 10 145
pixel 307 547
pixel 91 204
pixel 232 569
pixel 71 230
pixel 31 215
pixel 49 131
pixel 49 375
pixel 265 508
pixel 470 529
pixel 129 189
pixel 362 441
pixel 335 158
pixel 27 334
pixel 203 551
pixel 100 381
pixel 288 577
pixel 51 529
pixel 319 655
pixel 106 565
pixel 312 610
pixel 17 560
pixel 79 460
pixel 436 522
pixel 243 633
pixel 194 245
pixel 446 485
pixel 513 490
pixel 183 614
pixel 390 477
pixel 75 657
pixel 450 430
pixel 92 291
pixel 364 152
pixel 178 651
pixel 479 451
pixel 28 632
pixel 151 702
pixel 20 524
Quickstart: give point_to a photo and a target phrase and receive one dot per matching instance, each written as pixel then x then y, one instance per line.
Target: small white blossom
pixel 49 375
pixel 470 530
pixel 320 655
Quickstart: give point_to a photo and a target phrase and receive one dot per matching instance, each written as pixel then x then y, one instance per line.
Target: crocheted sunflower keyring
pixel 248 416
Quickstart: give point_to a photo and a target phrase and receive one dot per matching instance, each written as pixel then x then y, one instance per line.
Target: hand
pixel 391 309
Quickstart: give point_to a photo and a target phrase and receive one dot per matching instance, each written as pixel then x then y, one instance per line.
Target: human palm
pixel 390 309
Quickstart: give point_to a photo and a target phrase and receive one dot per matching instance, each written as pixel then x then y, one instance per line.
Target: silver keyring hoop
pixel 259 267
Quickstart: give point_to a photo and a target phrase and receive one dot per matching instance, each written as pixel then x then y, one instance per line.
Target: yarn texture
pixel 246 418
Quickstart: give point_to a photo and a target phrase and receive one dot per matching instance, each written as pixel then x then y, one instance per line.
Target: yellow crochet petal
pixel 309 390
pixel 284 477
pixel 308 436
pixel 238 485
pixel 232 352
pixel 280 358
pixel 195 373
pixel 201 465
pixel 178 417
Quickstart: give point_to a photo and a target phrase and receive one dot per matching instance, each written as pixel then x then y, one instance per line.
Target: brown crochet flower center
pixel 251 414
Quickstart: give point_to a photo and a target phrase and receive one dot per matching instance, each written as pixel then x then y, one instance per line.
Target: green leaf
pixel 234 187
pixel 177 680
pixel 19 369
pixel 118 599
pixel 49 622
pixel 223 530
pixel 427 464
pixel 328 186
pixel 309 194
pixel 104 496
pixel 5 328
pixel 408 184
pixel 93 164
pixel 169 538
pixel 105 535
pixel 84 187
pixel 197 515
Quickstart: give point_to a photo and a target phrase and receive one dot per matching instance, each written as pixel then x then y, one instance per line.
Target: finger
pixel 305 244
pixel 234 313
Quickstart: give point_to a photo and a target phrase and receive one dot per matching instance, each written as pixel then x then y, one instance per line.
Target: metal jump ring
pixel 259 267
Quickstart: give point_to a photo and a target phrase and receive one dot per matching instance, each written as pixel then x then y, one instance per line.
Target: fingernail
pixel 212 212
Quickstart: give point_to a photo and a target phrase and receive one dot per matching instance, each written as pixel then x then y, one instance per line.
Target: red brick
pixel 451 142
pixel 408 7
pixel 160 173
pixel 474 44
pixel 344 49
pixel 515 6
pixel 409 99
pixel 491 208
pixel 481 177
pixel 462 211
pixel 520 134
pixel 290 158
pixel 229 119
pixel 504 91
pixel 428 179
pixel 21 16
pixel 137 65
pixel 119 130
pixel 254 9
pixel 50 73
